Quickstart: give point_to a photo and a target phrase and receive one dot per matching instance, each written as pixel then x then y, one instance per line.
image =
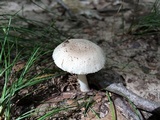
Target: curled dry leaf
pixel 18 66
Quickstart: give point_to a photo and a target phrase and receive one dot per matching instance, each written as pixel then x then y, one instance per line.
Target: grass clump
pixel 149 23
pixel 28 34
pixel 31 43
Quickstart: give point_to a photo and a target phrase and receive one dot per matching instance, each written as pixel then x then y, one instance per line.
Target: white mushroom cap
pixel 79 56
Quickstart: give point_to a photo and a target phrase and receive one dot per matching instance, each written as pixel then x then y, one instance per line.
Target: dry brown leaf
pixel 18 66
pixel 68 95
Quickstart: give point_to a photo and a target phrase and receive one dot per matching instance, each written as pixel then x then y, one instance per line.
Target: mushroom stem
pixel 82 80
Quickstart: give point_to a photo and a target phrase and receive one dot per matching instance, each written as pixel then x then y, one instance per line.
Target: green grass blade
pixel 26 114
pixel 113 111
pixel 53 112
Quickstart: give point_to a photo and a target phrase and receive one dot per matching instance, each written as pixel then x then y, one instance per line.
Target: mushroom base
pixel 82 80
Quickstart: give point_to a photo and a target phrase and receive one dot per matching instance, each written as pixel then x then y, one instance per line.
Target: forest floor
pixel 133 55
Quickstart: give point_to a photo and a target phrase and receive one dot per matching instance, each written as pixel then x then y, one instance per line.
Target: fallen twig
pixel 140 102
pixel 113 82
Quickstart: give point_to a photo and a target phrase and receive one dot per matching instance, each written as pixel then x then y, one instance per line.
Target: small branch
pixel 113 82
pixel 140 102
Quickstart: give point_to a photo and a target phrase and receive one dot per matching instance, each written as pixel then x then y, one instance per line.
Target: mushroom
pixel 81 57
